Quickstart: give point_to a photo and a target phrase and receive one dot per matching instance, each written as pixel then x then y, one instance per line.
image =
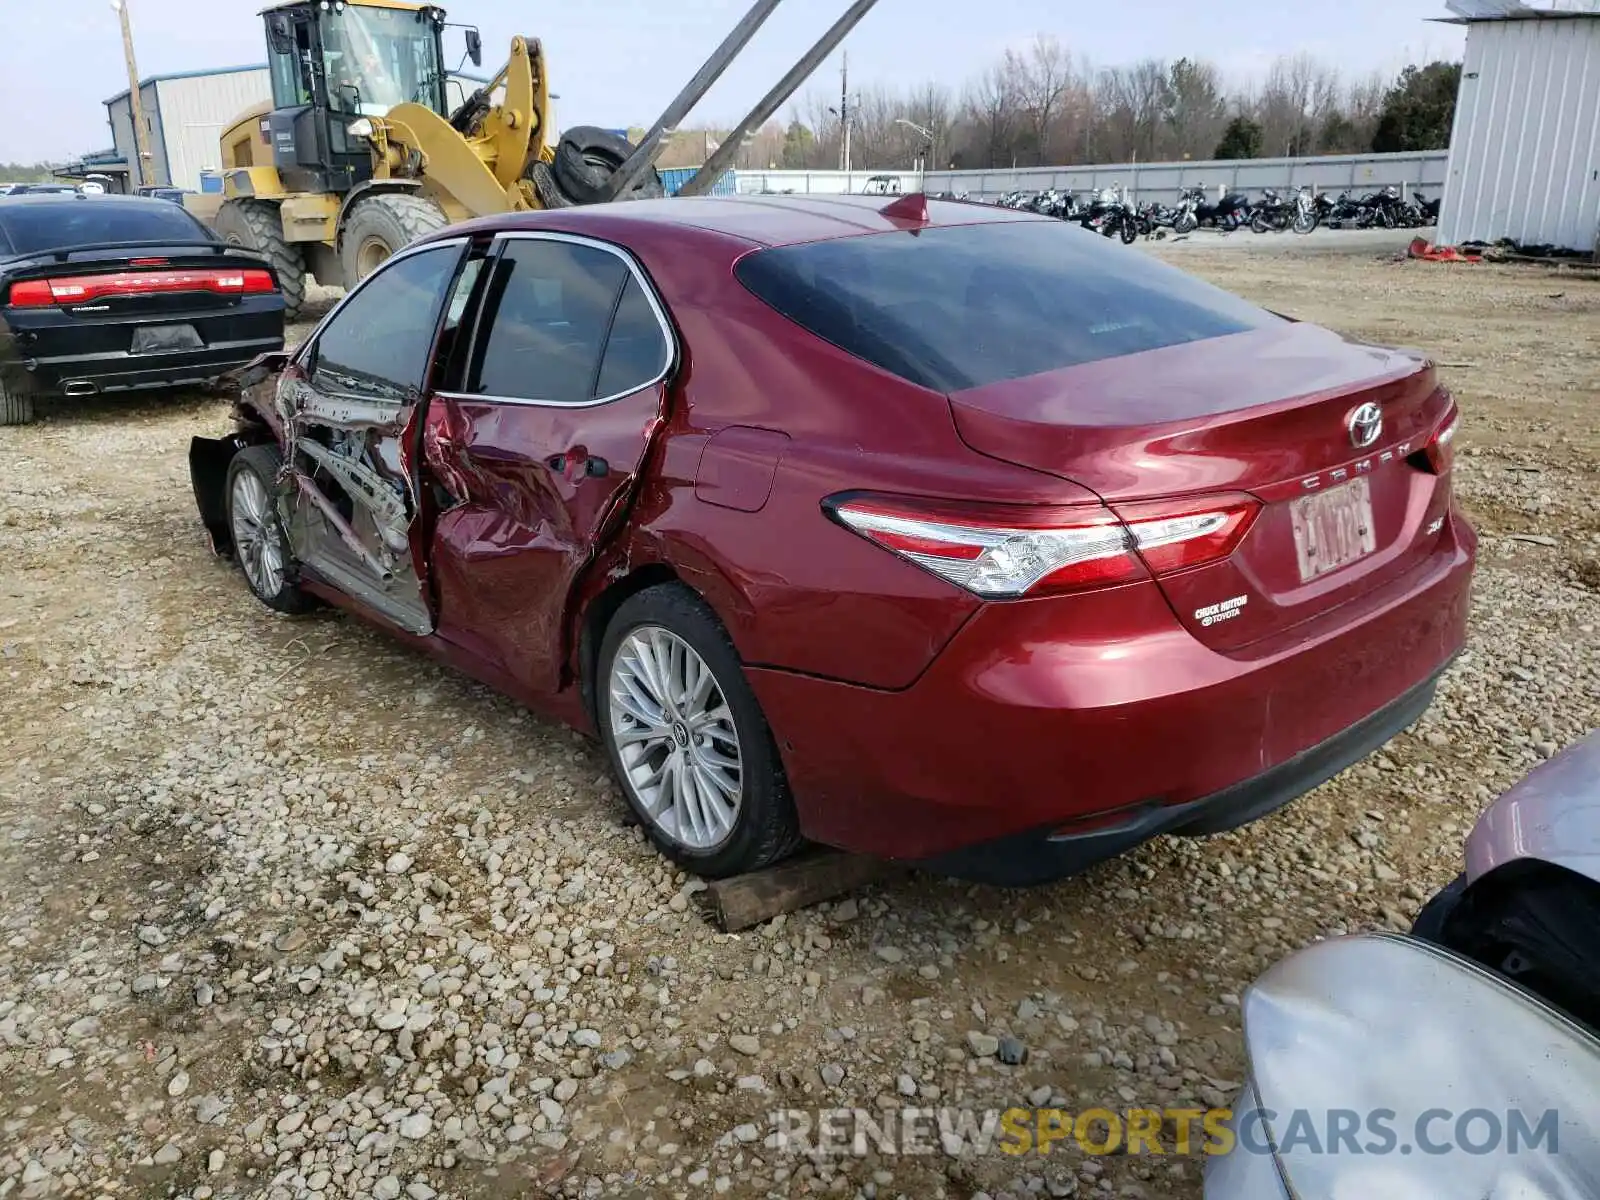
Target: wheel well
pixel 1526 872
pixel 598 615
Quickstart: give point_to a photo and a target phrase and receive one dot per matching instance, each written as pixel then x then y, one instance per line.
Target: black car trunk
pixel 132 308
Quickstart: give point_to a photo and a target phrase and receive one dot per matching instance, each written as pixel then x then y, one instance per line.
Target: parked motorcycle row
pixel 1112 213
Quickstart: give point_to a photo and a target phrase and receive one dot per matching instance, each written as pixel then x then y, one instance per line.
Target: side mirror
pixel 475 47
pixel 280 35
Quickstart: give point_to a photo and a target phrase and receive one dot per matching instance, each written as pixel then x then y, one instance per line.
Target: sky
pixel 617 63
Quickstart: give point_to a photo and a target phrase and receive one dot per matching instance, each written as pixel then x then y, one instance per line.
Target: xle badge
pixel 1215 613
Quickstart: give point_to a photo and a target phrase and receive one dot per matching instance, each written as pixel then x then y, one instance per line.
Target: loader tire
pixel 380 226
pixel 545 186
pixel 586 157
pixel 257 225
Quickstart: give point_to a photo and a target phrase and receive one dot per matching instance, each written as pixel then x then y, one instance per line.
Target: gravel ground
pixel 289 911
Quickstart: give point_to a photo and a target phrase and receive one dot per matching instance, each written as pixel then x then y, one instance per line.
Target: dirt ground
pixel 287 910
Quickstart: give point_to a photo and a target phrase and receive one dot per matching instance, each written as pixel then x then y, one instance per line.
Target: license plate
pixel 161 339
pixel 1333 528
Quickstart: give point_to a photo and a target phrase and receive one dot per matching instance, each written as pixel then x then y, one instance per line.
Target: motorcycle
pixel 1307 210
pixel 1226 215
pixel 1271 213
pixel 1109 215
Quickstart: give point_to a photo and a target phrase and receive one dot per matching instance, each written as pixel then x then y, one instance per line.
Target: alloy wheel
pixel 676 738
pixel 255 534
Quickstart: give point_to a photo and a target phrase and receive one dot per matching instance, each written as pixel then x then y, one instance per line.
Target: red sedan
pixel 928 530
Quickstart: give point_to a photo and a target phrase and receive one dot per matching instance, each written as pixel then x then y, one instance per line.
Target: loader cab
pixel 334 64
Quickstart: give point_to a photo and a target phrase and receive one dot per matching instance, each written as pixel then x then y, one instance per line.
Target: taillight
pixel 33 293
pixel 1440 450
pixel 84 289
pixel 998 551
pixel 1174 535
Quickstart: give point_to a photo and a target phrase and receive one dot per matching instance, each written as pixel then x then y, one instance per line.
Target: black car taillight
pixel 82 289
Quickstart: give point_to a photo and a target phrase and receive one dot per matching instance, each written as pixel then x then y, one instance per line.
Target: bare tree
pixel 931 107
pixel 1132 104
pixel 1040 77
pixel 995 113
pixel 1196 109
pixel 1039 105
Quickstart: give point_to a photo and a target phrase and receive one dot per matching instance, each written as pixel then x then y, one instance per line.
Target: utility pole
pixel 845 115
pixel 143 171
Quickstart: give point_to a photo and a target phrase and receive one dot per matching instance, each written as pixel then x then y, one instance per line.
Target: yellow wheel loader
pixel 362 150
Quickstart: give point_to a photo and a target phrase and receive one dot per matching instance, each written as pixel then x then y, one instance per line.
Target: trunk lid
pixel 1266 412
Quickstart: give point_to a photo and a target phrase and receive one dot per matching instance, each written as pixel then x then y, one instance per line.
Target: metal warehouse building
pixel 1525 148
pixel 186 113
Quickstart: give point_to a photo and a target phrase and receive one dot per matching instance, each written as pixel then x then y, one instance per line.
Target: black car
pixel 113 293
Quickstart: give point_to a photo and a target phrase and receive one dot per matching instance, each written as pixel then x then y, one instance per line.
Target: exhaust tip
pixel 80 387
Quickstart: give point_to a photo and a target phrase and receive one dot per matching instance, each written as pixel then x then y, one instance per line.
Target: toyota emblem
pixel 1366 426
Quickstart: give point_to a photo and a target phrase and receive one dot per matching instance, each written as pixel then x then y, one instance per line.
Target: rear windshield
pixel 960 307
pixel 30 226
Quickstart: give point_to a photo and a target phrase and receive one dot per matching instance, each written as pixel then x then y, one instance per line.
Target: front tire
pixel 260 546
pixel 687 738
pixel 16 403
pixel 380 226
pixel 1186 223
pixel 1130 231
pixel 258 225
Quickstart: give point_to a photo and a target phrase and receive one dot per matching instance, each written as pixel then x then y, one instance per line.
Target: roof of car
pixel 780 220
pixel 76 197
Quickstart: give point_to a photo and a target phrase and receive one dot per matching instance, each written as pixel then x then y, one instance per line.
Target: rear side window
pixel 30 227
pixel 547 311
pixel 637 350
pixel 960 307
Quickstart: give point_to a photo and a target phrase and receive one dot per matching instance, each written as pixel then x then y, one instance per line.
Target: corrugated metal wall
pixel 673 178
pixel 120 112
pixel 1525 151
pixel 195 111
pixel 1358 173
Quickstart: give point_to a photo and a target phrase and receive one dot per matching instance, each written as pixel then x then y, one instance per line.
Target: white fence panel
pixel 1358 173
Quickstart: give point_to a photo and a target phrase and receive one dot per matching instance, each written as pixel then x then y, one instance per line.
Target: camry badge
pixel 1366 426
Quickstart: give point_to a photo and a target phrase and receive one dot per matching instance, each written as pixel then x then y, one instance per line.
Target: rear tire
pixel 587 157
pixel 16 403
pixel 380 226
pixel 727 809
pixel 260 546
pixel 258 225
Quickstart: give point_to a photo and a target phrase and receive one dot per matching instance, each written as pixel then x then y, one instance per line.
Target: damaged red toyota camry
pixel 925 529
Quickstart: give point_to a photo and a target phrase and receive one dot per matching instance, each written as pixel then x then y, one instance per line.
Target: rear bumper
pixel 122 372
pixel 1089 723
pixel 1042 856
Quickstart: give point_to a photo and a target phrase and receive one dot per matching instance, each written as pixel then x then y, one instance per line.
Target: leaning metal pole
pixel 706 177
pixel 650 147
